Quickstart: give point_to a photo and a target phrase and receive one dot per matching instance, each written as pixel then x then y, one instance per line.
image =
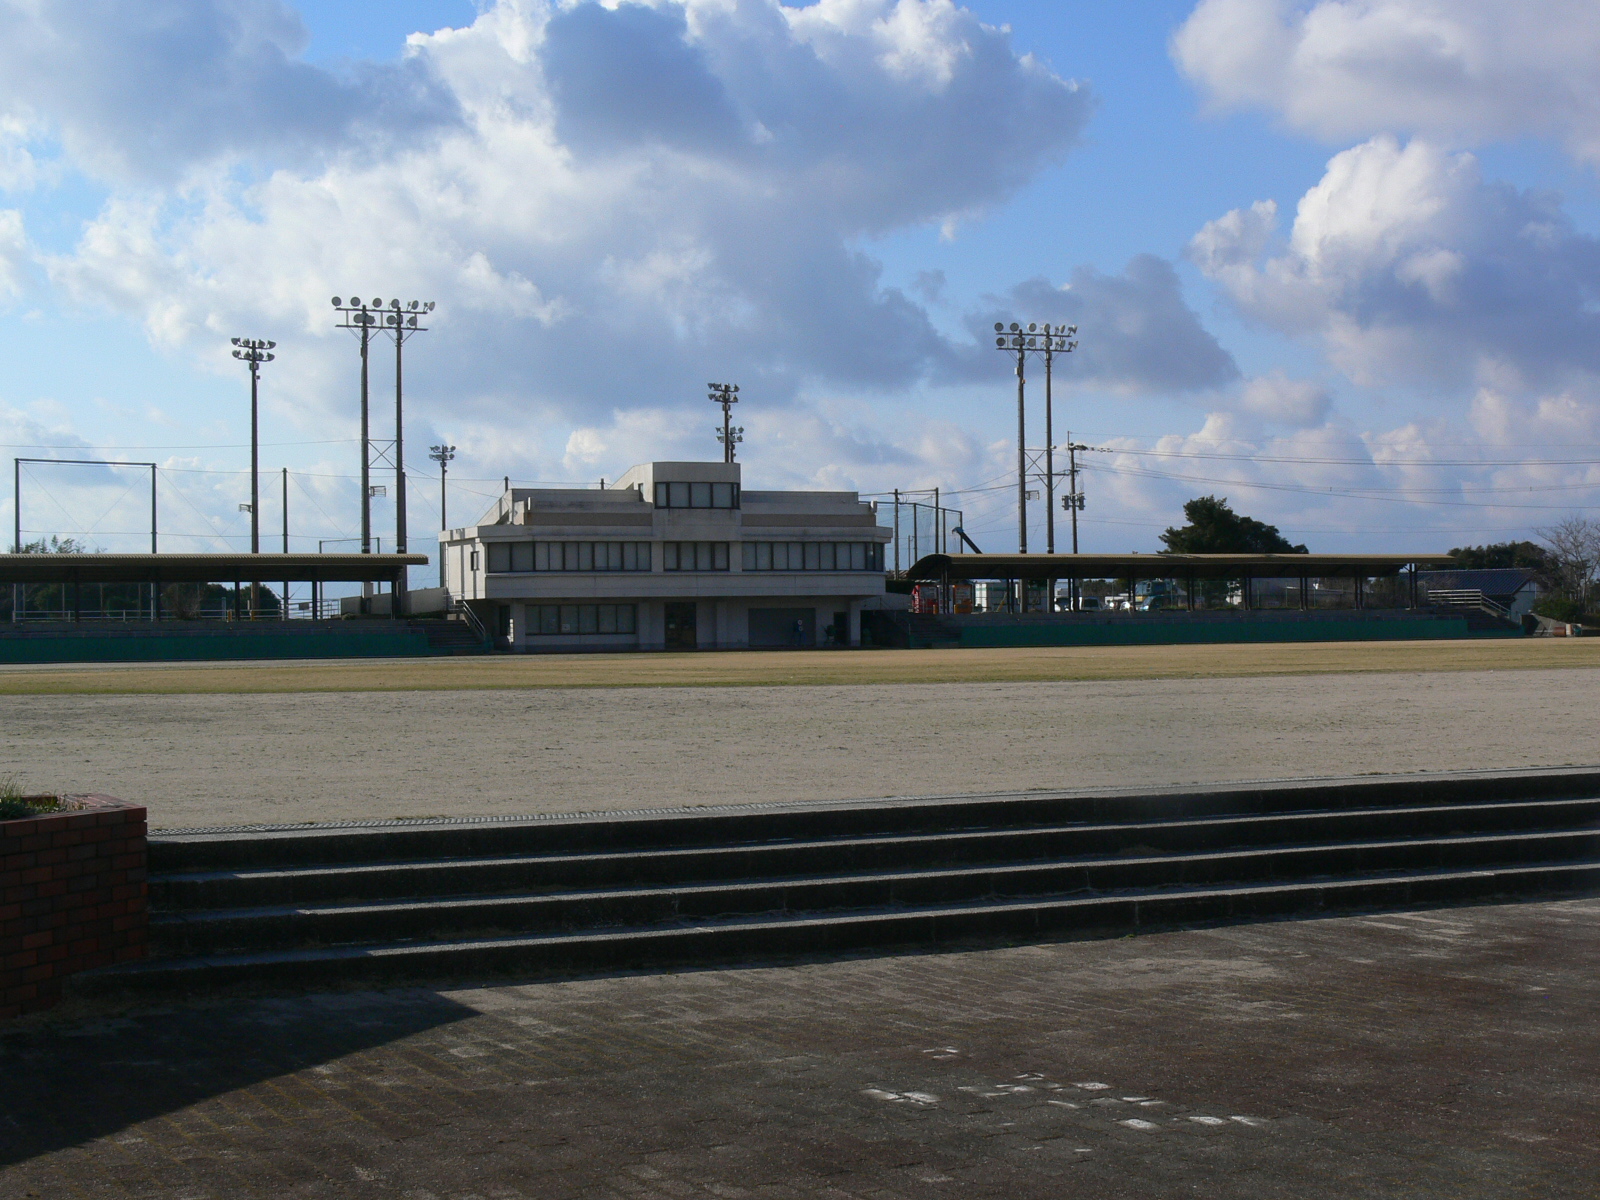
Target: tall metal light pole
pixel 442 455
pixel 361 318
pixel 1019 341
pixel 401 322
pixel 1055 342
pixel 727 395
pixel 253 352
pixel 1048 340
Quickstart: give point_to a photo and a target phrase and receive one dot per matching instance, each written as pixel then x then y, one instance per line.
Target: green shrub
pixel 13 804
pixel 1558 608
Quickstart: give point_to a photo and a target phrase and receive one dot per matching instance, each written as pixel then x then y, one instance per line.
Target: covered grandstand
pixel 1131 599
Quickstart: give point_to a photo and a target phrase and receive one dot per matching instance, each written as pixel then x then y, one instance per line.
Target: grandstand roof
pixel 203 568
pixel 1120 566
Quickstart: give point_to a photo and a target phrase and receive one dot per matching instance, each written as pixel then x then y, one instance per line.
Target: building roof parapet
pixel 644 476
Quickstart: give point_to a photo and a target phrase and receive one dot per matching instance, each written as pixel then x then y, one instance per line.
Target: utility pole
pixel 897 531
pixel 727 395
pixel 283 604
pixel 1073 500
pixel 442 455
pixel 16 539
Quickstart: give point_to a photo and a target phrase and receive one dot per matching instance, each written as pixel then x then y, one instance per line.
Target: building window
pixel 813 556
pixel 568 556
pixel 546 620
pixel 694 556
pixel 697 495
pixel 474 560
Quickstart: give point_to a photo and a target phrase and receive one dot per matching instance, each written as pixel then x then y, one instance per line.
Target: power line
pixel 171 445
pixel 1362 462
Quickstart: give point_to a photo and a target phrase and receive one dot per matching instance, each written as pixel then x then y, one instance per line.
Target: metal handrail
pixel 472 619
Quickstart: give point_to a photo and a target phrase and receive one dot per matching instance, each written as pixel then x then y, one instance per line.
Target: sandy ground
pixel 809 667
pixel 201 759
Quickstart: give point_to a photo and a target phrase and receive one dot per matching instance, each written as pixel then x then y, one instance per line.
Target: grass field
pixel 798 668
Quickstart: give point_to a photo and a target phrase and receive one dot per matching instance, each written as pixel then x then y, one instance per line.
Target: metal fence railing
pixel 1466 598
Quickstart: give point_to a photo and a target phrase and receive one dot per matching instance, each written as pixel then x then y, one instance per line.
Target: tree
pixel 44 595
pixel 1529 556
pixel 1214 528
pixel 1575 553
pixel 56 545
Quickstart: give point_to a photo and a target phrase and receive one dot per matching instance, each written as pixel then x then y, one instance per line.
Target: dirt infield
pixel 800 668
pixel 223 759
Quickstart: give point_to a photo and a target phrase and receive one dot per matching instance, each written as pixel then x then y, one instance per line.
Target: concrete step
pixel 450 637
pixel 453 917
pixel 531 874
pixel 271 848
pixel 391 901
pixel 742 939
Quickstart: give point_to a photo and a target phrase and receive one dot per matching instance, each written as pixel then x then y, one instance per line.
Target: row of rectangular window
pixel 569 556
pixel 697 495
pixel 694 556
pixel 813 556
pixel 545 620
pixel 682 556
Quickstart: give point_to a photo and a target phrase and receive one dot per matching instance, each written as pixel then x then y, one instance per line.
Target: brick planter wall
pixel 72 896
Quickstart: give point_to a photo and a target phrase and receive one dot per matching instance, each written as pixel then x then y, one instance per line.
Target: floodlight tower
pixel 253 352
pixel 1048 340
pixel 442 455
pixel 1056 341
pixel 362 318
pixel 727 395
pixel 1018 341
pixel 400 324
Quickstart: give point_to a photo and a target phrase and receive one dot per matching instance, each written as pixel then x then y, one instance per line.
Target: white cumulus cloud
pixel 1411 267
pixel 610 203
pixel 1275 397
pixel 1457 71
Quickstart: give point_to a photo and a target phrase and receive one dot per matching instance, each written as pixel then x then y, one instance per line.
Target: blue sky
pixel 613 204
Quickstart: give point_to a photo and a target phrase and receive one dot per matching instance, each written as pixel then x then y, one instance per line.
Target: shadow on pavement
pixel 66 1082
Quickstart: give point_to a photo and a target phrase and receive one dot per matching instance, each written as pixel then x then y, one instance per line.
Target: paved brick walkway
pixel 1448 1053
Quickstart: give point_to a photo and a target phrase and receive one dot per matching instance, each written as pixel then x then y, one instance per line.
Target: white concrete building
pixel 671 556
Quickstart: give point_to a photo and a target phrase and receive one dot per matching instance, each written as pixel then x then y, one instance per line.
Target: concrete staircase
pixel 406 901
pixel 449 636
